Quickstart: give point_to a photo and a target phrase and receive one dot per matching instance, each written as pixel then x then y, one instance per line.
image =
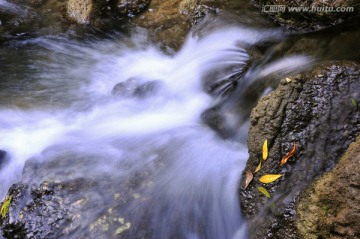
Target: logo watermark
pixel 284 8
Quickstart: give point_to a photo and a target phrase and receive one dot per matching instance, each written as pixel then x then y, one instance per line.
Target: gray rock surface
pixel 313 110
pixel 330 207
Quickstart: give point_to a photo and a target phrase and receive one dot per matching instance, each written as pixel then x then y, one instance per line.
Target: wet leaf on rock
pixel 289 155
pixel 258 167
pixel 265 152
pixel 264 191
pixel 354 102
pixel 248 178
pixel 5 206
pixel 269 178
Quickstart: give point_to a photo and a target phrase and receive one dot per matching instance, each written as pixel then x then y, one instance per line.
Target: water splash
pixel 129 103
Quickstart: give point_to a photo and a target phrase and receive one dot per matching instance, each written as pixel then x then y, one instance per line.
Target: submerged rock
pixel 314 111
pixel 134 87
pixel 129 191
pixel 4 159
pixel 330 207
pixel 23 19
pixel 309 15
pixel 131 7
pixel 54 201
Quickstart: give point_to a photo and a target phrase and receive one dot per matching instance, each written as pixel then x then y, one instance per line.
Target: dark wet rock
pixel 68 192
pixel 337 43
pixel 27 19
pixel 215 120
pixel 54 209
pixel 15 20
pixel 32 3
pixel 330 207
pixel 4 159
pixel 125 89
pixel 135 88
pixel 317 14
pixel 147 89
pixel 313 110
pixel 33 18
pixel 58 199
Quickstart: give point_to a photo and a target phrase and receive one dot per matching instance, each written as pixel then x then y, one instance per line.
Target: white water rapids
pixel 79 113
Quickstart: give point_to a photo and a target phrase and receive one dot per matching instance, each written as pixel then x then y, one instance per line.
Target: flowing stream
pixel 130 108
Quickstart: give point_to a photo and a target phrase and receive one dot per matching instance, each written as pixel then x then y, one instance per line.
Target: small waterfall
pixel 134 108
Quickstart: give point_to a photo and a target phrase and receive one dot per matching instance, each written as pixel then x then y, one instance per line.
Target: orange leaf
pixel 249 177
pixel 289 155
pixel 268 178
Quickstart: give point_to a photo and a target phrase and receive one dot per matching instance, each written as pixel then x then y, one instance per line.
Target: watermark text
pixel 284 8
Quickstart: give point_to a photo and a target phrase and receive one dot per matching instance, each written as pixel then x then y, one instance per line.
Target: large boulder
pixel 310 14
pixel 330 207
pixel 315 111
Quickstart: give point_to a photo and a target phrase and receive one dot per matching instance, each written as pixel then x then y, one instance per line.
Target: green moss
pixel 325 209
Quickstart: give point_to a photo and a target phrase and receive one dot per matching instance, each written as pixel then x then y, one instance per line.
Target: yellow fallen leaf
pixel 264 191
pixel 265 150
pixel 248 178
pixel 258 167
pixel 268 178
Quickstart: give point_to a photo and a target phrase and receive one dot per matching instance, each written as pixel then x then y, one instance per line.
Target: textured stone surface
pixel 80 11
pixel 89 11
pixel 314 111
pixel 331 207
